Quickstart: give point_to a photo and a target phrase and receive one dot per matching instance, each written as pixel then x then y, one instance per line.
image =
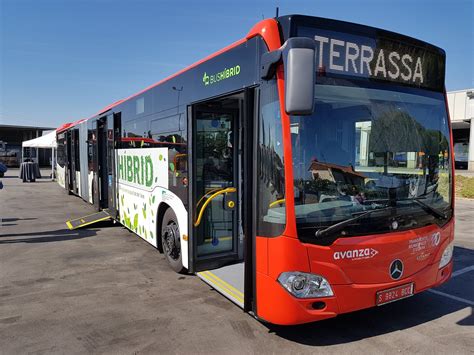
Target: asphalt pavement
pixel 104 290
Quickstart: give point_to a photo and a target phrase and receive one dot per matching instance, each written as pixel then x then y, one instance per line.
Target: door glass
pixel 215 203
pixel 103 173
pixel 110 164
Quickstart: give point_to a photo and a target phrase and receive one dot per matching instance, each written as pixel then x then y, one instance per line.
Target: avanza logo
pixel 355 254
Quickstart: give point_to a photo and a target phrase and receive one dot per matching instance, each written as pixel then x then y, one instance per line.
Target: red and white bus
pixel 304 171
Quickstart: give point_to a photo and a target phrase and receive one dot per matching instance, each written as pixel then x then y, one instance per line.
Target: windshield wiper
pixel 431 210
pixel 321 233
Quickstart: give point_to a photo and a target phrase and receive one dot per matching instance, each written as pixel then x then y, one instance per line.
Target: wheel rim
pixel 171 244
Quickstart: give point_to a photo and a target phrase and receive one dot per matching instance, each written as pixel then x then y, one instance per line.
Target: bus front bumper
pixel 280 307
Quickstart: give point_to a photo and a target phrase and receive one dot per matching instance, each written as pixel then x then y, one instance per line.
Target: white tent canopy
pixel 46 141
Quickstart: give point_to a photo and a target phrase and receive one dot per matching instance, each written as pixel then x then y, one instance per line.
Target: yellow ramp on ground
pixel 88 220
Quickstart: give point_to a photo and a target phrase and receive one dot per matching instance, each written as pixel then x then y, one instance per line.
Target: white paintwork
pixel 90 178
pixel 461 105
pixel 61 175
pixel 461 112
pixel 78 182
pixel 139 201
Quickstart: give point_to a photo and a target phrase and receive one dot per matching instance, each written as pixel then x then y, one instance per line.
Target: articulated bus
pixel 304 171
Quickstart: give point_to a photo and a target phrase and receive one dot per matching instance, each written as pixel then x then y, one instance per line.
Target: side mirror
pixel 300 76
pixel 298 54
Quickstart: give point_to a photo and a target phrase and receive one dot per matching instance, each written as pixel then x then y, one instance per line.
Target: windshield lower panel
pixel 368 145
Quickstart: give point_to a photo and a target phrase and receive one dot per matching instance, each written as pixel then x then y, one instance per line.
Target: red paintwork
pixel 66 126
pixel 63 127
pixel 354 282
pixel 147 140
pixel 389 247
pixel 268 30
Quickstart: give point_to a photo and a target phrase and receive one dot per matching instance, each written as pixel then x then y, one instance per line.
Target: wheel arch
pixel 176 204
pixel 162 207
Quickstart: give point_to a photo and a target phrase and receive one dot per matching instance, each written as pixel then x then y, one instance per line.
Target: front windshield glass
pixel 366 147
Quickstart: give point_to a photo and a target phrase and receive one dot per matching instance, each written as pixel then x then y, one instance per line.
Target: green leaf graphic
pixel 126 220
pixel 152 200
pixel 135 221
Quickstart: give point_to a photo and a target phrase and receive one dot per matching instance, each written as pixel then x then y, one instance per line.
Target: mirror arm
pixel 269 64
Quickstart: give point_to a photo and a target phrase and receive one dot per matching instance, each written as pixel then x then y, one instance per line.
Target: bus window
pixel 61 150
pixel 271 180
pixel 134 131
pixel 77 163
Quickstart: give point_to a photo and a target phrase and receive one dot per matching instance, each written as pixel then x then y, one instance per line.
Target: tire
pixel 171 241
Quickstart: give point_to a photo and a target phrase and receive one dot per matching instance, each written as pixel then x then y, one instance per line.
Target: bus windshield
pixel 368 145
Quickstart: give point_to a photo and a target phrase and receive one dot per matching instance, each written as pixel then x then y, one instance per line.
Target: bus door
pixel 113 136
pixel 215 190
pixel 219 161
pixel 102 162
pixel 106 140
pixel 75 159
pixel 69 160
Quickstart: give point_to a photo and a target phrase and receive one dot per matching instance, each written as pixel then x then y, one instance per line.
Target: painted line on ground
pixel 459 299
pixel 462 271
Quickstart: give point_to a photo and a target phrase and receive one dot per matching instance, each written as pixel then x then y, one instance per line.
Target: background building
pixel 11 137
pixel 461 110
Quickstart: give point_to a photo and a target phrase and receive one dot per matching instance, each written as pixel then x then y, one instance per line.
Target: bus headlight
pixel 304 285
pixel 447 255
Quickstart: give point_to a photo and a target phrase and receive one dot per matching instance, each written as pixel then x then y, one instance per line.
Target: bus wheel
pixel 170 239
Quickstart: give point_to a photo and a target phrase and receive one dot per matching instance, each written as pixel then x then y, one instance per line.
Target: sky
pixel 63 60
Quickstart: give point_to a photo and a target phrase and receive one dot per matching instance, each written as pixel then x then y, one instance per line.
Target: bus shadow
pixel 47 236
pixel 404 314
pixel 372 322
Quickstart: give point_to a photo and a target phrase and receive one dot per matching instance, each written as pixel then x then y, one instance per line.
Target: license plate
pixel 395 294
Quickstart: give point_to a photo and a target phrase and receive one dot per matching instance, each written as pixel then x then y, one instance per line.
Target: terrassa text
pixel 363 60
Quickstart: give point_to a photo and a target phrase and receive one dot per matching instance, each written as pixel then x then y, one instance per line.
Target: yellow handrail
pixel 277 202
pixel 215 194
pixel 207 193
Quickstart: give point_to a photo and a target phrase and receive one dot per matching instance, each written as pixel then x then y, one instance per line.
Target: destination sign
pixel 376 58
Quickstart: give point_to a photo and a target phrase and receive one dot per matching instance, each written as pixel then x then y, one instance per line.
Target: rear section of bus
pixel 359 212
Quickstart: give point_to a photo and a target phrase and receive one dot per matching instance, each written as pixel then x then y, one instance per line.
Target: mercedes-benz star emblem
pixel 396 269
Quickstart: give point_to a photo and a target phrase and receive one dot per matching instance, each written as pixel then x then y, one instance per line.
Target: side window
pixel 165 133
pixel 61 148
pixel 77 162
pixel 270 174
pixel 90 148
pixel 136 133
